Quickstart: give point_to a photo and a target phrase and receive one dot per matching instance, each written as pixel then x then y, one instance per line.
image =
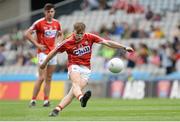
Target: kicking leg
pixel 67 99
pixel 77 90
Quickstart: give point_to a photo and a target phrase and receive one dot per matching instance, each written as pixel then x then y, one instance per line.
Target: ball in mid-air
pixel 115 65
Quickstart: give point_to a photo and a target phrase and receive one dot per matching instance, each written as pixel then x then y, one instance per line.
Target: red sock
pixel 46 98
pixel 33 98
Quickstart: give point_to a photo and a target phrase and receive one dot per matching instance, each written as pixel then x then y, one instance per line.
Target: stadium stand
pixel 160 34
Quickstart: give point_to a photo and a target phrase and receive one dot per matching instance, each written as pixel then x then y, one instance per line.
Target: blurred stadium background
pixel 152 27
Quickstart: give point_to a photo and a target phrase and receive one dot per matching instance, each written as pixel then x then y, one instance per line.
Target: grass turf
pixel 97 110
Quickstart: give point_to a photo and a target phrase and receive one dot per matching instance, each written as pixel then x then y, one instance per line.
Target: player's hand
pixel 41 47
pixel 129 49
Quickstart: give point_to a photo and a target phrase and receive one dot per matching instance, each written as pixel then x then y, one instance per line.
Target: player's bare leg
pixel 64 102
pixel 37 87
pixel 76 85
pixel 47 84
pixel 76 81
pixel 67 99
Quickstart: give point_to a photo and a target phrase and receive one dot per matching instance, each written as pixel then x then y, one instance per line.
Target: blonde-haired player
pixel 79 49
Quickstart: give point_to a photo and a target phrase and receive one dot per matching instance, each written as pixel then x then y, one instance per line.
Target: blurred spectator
pixel 178 65
pixel 143 34
pixel 20 59
pixel 143 53
pixel 149 13
pixel 157 17
pixel 176 33
pixel 2 57
pixel 156 32
pixel 177 51
pixel 61 68
pixel 154 58
pixel 106 52
pixel 135 7
pixel 103 5
pixel 127 31
pixel 165 56
pixel 116 29
pixel 131 57
pixel 129 6
pixel 103 30
pixel 90 5
pixel 134 32
pixel 118 5
pixel 152 16
pixel 17 40
pixel 176 47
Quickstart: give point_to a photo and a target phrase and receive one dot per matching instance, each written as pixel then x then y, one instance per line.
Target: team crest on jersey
pixel 82 51
pixel 80 45
pixel 50 33
pixel 86 42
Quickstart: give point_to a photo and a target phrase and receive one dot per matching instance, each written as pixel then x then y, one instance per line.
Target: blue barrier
pixel 33 77
pixel 94 77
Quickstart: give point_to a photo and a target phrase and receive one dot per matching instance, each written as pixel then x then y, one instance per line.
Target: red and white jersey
pixel 79 53
pixel 46 33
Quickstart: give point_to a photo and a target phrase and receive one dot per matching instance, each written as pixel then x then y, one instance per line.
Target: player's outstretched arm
pixel 48 58
pixel 113 44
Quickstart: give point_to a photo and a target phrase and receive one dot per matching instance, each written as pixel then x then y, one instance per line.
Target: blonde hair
pixel 79 27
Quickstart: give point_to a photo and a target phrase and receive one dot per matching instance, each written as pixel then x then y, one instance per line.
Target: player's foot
pixel 32 103
pixel 54 113
pixel 46 104
pixel 85 98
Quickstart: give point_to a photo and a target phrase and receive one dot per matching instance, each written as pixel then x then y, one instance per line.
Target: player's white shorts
pixel 42 56
pixel 84 71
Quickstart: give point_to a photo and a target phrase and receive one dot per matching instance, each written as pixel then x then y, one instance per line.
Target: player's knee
pixel 83 84
pixel 49 77
pixel 76 81
pixel 75 85
pixel 41 79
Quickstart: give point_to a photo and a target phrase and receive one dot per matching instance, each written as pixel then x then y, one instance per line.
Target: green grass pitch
pixel 97 110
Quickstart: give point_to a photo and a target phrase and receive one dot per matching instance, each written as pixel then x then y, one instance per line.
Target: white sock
pixel 80 97
pixel 57 108
pixel 33 101
pixel 46 101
